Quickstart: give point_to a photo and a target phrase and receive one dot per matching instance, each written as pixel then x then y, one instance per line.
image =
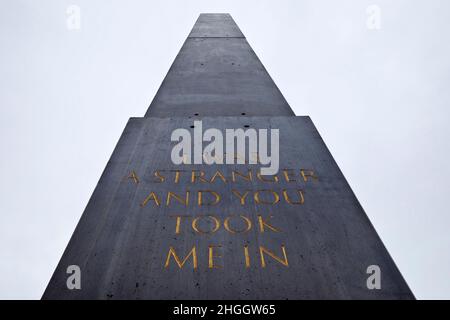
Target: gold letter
pixel 247 177
pixel 227 226
pixel 177 176
pixel 151 196
pixel 247 257
pixel 260 177
pixel 216 224
pixel 134 177
pixel 177 260
pixel 178 198
pixel 177 225
pixel 286 173
pixel 220 175
pixel 300 193
pixel 159 176
pixel 200 198
pixel 241 197
pixel 258 200
pixel 308 173
pixel 263 250
pixel 263 223
pixel 211 257
pixel 200 176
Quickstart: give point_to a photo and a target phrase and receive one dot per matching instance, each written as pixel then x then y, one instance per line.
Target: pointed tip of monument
pixel 215 25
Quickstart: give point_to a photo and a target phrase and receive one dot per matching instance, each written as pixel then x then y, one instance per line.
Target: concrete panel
pixel 217 76
pixel 122 244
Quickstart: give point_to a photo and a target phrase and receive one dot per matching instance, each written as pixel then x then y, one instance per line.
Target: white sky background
pixel 379 98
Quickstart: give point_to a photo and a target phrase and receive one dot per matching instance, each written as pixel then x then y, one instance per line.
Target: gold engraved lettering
pixel 220 175
pixel 276 197
pixel 248 222
pixel 247 177
pixel 171 195
pixel 264 222
pixel 199 176
pixel 151 196
pixel 178 222
pixel 212 203
pixel 247 257
pixel 300 196
pixel 216 224
pixel 158 175
pixel 133 176
pixel 177 176
pixel 263 251
pixel 180 263
pixel 308 173
pixel 241 197
pixel 263 178
pixel 288 175
pixel 211 257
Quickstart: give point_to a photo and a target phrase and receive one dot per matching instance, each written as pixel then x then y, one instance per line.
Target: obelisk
pixel 154 229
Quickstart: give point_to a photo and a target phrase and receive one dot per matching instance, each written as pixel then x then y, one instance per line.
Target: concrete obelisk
pixel 158 230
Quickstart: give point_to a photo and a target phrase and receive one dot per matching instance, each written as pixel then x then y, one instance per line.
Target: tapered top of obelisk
pixel 216 73
pixel 220 25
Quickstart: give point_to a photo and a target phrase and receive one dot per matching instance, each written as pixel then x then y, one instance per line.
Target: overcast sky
pixel 380 98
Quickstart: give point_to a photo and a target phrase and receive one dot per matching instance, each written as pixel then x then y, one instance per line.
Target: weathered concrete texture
pixel 216 73
pixel 121 246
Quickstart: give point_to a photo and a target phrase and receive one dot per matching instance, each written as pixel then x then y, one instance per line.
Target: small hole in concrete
pixel 192 126
pixel 246 126
pixel 195 114
pixel 243 113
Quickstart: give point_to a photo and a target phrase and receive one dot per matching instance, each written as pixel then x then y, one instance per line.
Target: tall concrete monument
pixel 206 228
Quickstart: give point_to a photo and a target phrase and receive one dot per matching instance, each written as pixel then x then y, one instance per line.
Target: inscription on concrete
pixel 156 230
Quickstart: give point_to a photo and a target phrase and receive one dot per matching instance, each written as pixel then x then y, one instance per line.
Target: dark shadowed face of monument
pixel 221 192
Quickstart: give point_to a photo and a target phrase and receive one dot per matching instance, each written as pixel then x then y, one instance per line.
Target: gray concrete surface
pixel 216 73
